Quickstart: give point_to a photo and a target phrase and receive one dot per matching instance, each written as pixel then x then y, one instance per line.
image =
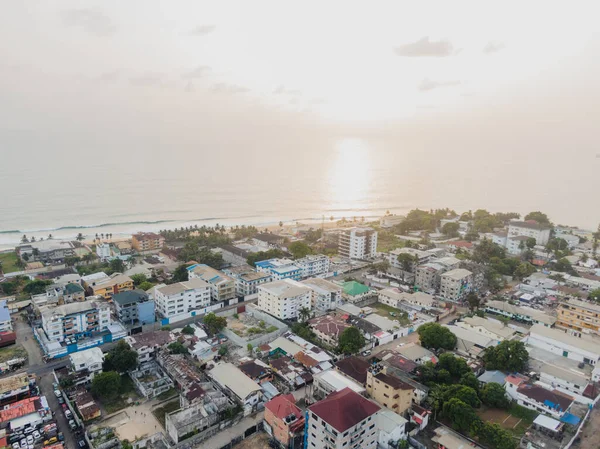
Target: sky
pixel 503 96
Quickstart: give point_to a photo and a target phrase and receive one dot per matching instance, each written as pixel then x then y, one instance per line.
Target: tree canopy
pixel 106 385
pixel 508 356
pixel 494 395
pixel 188 330
pixel 121 358
pixel 214 323
pixel 351 340
pixel 138 279
pixel 538 216
pixel 450 229
pixel 299 249
pixel 460 414
pixel 191 251
pixel 117 266
pixel 594 295
pixel 264 255
pixel 177 348
pixel 435 336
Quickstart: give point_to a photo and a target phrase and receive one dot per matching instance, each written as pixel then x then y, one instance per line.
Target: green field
pixel 386 311
pixel 12 352
pixel 8 262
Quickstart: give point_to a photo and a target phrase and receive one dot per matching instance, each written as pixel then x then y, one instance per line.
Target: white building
pixel 391 428
pixel 314 265
pixel 584 349
pixel 455 284
pixel 389 221
pixel 420 257
pixel 517 244
pixel 331 426
pixel 428 275
pixel 77 319
pixel 540 232
pixel 280 269
pixel 182 297
pixel 222 287
pixel 230 377
pixel 325 295
pixel 358 243
pixel 86 364
pixel 5 320
pixel 103 251
pixel 332 381
pixel 284 299
pixel 488 328
pixel 523 314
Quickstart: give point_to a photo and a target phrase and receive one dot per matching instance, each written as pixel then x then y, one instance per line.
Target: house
pixel 462 245
pixel 15 388
pixel 448 439
pixel 355 291
pixel 419 258
pixel 489 328
pixel 354 368
pixel 388 221
pixel 357 243
pixel 239 386
pixel 256 370
pixel 417 353
pixel 86 405
pixel 86 364
pixel 328 328
pixel 455 284
pixel 46 251
pixel 325 295
pixel 388 390
pixel 578 317
pixel 584 349
pixel 5 319
pixel 147 344
pixel 182 297
pixel 280 269
pixel 116 283
pixel 267 240
pixel 147 241
pixel 284 299
pixel 332 381
pixel 522 314
pixel 30 412
pixel 222 287
pixel 73 292
pixel 551 402
pixel 284 421
pixel 419 416
pixel 530 229
pixel 470 343
pixel 134 307
pixel 344 419
pixel 391 428
pixel 494 376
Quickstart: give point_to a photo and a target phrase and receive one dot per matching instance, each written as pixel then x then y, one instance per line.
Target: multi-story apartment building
pixel 428 275
pixel 579 317
pixel 86 364
pixel 134 307
pixel 147 344
pixel 222 287
pixel 182 297
pixel 389 391
pixel 77 319
pixel 280 269
pixel 455 284
pixel 343 420
pixel 284 299
pixel 284 421
pixel 248 283
pixel 5 319
pixel 420 257
pixel 314 265
pixel 325 295
pixel 147 241
pixel 47 251
pixel 116 283
pixel 358 243
pixel 540 232
pixel 515 245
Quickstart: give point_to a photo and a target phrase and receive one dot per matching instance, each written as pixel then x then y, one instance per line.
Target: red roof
pixel 461 244
pixel 344 409
pixel 20 408
pixel 305 359
pixel 284 405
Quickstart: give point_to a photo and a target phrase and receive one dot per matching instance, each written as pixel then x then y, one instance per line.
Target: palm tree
pixel 102 236
pixel 304 314
pixel 24 239
pixel 281 224
pixel 32 239
pixel 49 236
pixel 79 237
pixel 96 237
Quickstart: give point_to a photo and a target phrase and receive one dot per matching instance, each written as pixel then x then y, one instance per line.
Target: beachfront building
pixel 114 284
pixel 5 319
pixel 357 243
pixel 579 317
pixel 280 269
pixel 147 241
pixel 284 299
pixel 325 295
pixel 222 287
pixel 343 420
pixel 182 297
pixel 530 229
pixel 314 265
pixel 134 307
pixel 75 320
pixel 389 391
pixel 388 221
pixel 46 251
pixel 455 284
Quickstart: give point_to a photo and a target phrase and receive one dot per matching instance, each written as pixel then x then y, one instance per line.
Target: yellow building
pixel 147 241
pixel 389 391
pixel 579 316
pixel 114 284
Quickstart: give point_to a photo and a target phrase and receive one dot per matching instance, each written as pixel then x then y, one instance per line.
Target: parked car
pixel 36 435
pixel 61 437
pixel 64 406
pixel 72 424
pixel 29 439
pixel 50 441
pixel 15 445
pixel 61 400
pixel 68 414
pixel 58 393
pixel 82 444
pixel 366 353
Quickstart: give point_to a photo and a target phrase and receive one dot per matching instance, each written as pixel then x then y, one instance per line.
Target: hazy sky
pixel 487 101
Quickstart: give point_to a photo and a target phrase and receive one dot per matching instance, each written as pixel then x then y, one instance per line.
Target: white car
pixel 58 393
pixel 15 445
pixel 36 435
pixel 29 439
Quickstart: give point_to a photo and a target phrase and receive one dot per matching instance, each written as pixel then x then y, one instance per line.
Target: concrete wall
pixel 269 320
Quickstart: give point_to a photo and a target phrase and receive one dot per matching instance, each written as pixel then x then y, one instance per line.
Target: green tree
pixel 493 435
pixel 508 355
pixel 36 287
pixel 177 348
pixel 594 295
pixel 188 330
pixel 473 301
pixel 125 444
pixel 117 266
pixel 450 229
pixel 403 444
pixel 121 358
pixel 470 380
pixel 538 216
pixel 145 286
pixel 486 250
pixel 249 347
pixel 461 415
pixel 525 269
pixel 214 323
pixel 138 278
pixel 180 274
pixel 264 255
pixel 304 314
pixel 433 335
pixel 223 350
pixel 494 395
pixel 79 237
pixel 351 340
pixel 530 243
pixel 467 394
pixel 71 261
pixel 456 366
pixel 406 261
pixel 299 249
pixel 106 385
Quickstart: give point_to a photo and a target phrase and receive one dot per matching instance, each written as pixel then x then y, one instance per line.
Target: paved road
pixel 45 384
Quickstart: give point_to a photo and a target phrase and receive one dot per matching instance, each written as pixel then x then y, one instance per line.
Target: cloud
pixel 91 20
pixel 148 80
pixel 425 47
pixel 493 47
pixel 282 90
pixel 226 88
pixel 427 84
pixel 198 72
pixel 202 30
pixel 110 77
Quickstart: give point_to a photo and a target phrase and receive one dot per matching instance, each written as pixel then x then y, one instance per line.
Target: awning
pixel 570 419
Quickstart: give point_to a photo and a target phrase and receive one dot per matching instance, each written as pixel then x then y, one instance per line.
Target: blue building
pixel 134 307
pixel 280 269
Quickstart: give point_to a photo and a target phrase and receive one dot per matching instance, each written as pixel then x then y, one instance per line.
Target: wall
pixel 259 315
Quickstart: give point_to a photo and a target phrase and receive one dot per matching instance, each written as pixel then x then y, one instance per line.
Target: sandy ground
pixel 590 437
pixel 257 441
pixel 134 422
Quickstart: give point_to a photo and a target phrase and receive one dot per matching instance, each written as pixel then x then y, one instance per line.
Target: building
pixel 394 297
pixel 147 241
pixel 582 349
pixel 284 299
pixel 46 251
pixel 267 240
pixel 355 291
pixel 388 221
pixel 103 251
pixel 284 421
pixel 147 344
pixel 116 283
pixel 75 320
pixel 448 439
pixel 455 284
pixel 5 319
pixel 150 380
pixel 91 280
pixel 391 428
pixel 247 280
pixel 358 243
pixel 492 329
pixel 14 388
pixel 389 391
pixel 354 368
pixel 314 265
pixel 578 317
pixel 419 257
pixel 325 295
pixel 86 405
pixel 280 269
pixel 222 287
pixel 550 402
pixel 522 314
pixel 133 307
pixel 416 353
pixel 494 376
pixel 530 229
pixel 27 413
pixel 428 276
pixel 328 328
pixel 470 343
pixel 231 379
pixel 331 381
pixel 517 244
pixel 181 297
pixel 86 364
pixel 343 420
